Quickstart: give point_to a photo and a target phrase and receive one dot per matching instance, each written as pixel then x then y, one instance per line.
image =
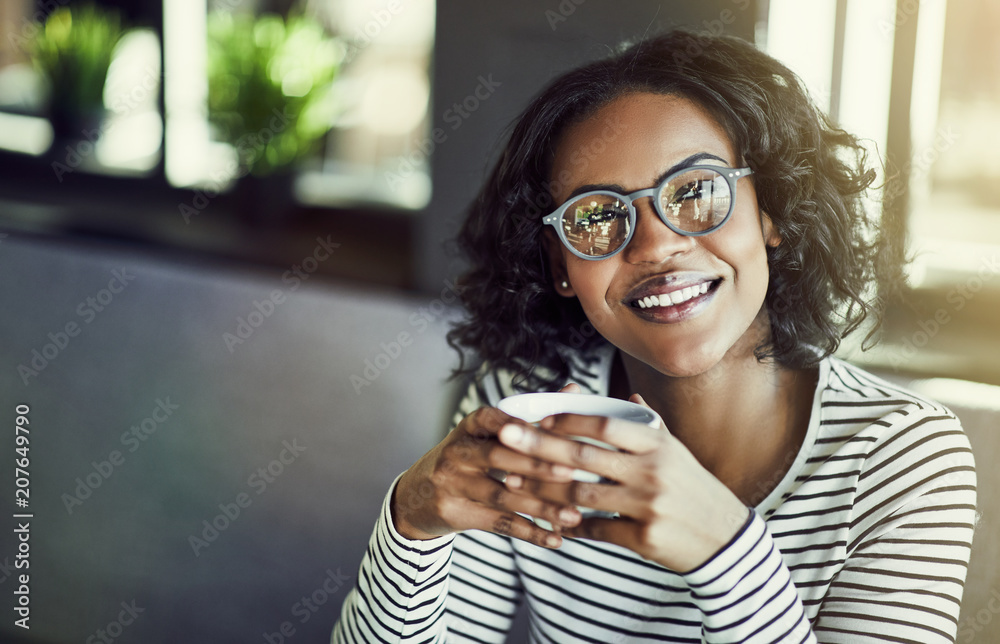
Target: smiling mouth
pixel 674 298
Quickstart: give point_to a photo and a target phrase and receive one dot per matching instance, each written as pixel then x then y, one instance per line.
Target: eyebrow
pixel 680 165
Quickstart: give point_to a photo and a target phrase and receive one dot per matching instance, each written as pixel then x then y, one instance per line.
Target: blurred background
pixel 226 278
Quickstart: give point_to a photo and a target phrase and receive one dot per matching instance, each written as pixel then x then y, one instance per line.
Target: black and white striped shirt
pixel 865 538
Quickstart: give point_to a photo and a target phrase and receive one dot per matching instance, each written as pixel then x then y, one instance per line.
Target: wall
pixel 520 46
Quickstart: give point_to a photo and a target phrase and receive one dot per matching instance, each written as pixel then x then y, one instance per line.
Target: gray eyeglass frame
pixel 731 175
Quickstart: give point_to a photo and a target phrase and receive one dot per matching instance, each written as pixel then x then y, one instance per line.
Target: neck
pixel 742 419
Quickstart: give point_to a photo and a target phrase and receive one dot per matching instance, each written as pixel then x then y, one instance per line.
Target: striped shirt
pixel 866 538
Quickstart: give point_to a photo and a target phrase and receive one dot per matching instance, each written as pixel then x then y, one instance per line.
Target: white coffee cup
pixel 533 407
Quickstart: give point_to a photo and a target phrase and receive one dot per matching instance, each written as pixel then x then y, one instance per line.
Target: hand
pixel 455 486
pixel 673 511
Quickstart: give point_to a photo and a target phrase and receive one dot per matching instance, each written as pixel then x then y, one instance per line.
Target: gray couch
pixel 274 429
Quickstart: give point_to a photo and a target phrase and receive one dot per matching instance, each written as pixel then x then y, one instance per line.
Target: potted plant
pixel 73 51
pixel 269 87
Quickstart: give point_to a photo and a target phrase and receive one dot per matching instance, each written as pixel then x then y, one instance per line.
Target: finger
pixel 499 506
pixel 639 400
pixel 596 496
pixel 552 448
pixel 618 531
pixel 507 460
pixel 622 434
pixel 571 388
pixel 486 422
pixel 471 441
pixel 496 495
pixel 506 523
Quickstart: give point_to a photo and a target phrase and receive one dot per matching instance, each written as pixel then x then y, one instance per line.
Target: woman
pixel 677 225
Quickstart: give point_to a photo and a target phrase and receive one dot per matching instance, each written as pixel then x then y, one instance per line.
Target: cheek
pixel 744 250
pixel 591 283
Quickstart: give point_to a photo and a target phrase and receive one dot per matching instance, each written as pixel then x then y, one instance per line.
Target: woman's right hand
pixel 452 487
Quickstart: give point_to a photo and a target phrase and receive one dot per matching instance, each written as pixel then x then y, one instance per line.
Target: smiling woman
pixel 705 262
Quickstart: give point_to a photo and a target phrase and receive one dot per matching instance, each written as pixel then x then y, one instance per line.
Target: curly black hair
pixel 831 271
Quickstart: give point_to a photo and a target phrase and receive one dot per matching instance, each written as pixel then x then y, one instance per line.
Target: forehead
pixel 632 140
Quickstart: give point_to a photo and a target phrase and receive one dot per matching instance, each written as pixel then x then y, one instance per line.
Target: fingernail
pixel 553 541
pixel 568 516
pixel 514 481
pixel 562 471
pixel 511 434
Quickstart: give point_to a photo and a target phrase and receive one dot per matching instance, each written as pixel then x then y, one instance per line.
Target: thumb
pixel 639 400
pixel 571 388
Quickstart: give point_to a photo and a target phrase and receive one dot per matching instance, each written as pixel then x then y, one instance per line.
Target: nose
pixel 652 241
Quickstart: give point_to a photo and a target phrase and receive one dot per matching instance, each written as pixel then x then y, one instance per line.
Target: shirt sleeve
pixel 485 588
pixel 906 565
pixel 401 589
pixel 457 588
pixel 910 543
pixel 745 592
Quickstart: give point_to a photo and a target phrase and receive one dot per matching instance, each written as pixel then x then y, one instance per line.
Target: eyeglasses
pixel 694 201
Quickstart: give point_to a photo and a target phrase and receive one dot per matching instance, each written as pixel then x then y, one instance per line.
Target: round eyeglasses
pixel 693 201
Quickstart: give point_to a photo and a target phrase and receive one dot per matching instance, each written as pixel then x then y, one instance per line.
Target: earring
pixel 564 284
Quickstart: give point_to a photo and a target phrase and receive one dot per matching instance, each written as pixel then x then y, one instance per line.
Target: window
pixel 945 142
pixel 376 113
pixel 48 105
pixel 955 163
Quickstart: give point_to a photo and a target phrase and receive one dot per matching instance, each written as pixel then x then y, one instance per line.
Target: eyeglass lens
pixel 694 201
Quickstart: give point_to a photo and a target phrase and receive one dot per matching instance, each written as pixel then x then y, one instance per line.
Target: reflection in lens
pixel 596 224
pixel 696 201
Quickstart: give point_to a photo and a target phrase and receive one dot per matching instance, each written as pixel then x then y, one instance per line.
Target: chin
pixel 685 362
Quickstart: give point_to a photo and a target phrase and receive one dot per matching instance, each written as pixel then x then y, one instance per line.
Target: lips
pixel 672 297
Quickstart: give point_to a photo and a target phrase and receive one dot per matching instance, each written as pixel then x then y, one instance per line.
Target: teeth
pixel 674 297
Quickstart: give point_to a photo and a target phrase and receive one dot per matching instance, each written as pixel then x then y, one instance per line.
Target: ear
pixel 772 237
pixel 557 263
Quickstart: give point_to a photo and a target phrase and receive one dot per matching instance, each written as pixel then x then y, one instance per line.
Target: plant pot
pixel 266 200
pixel 70 123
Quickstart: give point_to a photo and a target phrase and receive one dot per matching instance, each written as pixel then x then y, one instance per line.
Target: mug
pixel 533 407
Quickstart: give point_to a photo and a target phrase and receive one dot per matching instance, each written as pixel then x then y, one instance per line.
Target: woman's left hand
pixel 672 510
